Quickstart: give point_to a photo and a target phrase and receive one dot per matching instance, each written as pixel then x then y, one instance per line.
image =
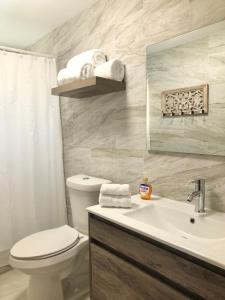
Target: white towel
pixel 112 69
pixel 115 201
pixel 116 189
pixel 94 57
pixel 81 71
pixel 63 76
pixel 87 71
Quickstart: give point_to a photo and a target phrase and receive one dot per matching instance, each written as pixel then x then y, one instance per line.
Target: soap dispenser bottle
pixel 145 189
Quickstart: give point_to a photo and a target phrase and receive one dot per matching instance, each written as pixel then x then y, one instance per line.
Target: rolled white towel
pixel 87 71
pixel 116 189
pixel 112 69
pixel 94 57
pixel 81 71
pixel 64 76
pixel 115 201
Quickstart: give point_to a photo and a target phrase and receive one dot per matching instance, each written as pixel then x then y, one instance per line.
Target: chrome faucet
pixel 199 193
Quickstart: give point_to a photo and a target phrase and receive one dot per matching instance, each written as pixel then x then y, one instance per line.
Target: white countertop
pixel 211 250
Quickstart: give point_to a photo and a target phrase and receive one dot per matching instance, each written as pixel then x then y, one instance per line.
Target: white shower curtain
pixel 32 196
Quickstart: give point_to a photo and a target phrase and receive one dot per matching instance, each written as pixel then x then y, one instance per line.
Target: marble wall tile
pixel 171 175
pixel 205 12
pixel 105 136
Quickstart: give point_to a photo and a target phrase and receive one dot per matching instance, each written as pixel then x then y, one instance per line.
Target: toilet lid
pixel 45 243
pixel 85 183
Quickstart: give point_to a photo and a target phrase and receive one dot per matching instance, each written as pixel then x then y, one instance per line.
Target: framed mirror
pixel 186 93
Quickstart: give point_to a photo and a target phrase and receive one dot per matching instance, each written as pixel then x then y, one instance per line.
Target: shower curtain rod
pixel 14 50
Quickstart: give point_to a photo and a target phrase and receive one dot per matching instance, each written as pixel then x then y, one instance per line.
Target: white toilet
pixel 48 256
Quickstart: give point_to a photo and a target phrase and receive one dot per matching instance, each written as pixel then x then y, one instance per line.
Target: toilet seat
pixel 50 261
pixel 45 244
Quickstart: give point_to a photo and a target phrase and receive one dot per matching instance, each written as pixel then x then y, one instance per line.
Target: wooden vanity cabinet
pixel 115 278
pixel 127 265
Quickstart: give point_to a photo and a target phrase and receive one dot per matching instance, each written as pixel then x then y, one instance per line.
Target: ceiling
pixel 23 22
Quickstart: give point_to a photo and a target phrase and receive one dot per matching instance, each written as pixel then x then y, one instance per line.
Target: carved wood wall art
pixel 185 101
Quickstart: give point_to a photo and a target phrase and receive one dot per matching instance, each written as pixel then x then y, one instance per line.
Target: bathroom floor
pixel 13 286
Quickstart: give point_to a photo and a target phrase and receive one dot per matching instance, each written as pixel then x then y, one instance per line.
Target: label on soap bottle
pixel 145 190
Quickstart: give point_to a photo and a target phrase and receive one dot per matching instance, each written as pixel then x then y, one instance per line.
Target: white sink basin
pixel 175 224
pixel 177 221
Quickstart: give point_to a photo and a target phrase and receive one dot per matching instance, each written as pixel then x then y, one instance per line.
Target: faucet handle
pixel 199 184
pixel 198 180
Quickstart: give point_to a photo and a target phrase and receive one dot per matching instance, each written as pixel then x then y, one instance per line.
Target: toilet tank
pixel 83 192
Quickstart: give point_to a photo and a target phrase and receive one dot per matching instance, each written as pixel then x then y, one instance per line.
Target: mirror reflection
pixel 186 93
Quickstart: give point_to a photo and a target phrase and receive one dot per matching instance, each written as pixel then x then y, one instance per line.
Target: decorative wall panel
pixel 185 101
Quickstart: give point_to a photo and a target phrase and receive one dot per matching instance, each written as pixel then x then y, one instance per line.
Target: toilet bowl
pixel 47 260
pixel 48 256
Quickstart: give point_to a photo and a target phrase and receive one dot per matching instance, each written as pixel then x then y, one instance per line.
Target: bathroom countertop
pixel 211 250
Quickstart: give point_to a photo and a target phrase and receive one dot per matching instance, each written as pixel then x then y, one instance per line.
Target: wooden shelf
pixel 89 87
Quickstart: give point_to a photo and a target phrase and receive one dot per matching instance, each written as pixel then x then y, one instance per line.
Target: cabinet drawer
pixel 113 279
pixel 191 276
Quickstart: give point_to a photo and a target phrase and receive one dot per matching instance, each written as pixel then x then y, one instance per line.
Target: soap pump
pixel 145 189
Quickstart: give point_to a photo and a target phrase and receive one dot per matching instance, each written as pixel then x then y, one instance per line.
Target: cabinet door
pixel 113 278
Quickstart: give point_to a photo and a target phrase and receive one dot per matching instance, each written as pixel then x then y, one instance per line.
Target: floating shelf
pixel 89 87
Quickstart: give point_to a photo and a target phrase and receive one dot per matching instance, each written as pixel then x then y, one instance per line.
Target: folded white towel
pixel 116 189
pixel 112 69
pixel 94 57
pixel 115 201
pixel 63 76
